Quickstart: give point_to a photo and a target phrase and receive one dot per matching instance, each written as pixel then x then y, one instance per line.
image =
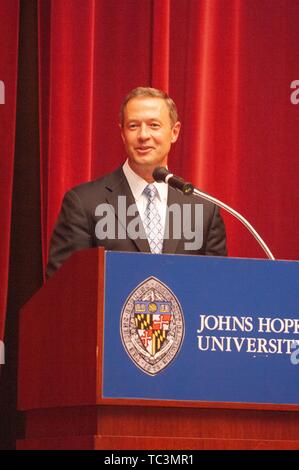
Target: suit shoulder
pixel 99 185
pixel 92 193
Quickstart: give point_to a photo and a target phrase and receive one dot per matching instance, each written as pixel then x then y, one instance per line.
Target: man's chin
pixel 145 167
pixel 149 161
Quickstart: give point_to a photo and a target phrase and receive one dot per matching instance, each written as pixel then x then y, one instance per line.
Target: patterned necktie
pixel 152 220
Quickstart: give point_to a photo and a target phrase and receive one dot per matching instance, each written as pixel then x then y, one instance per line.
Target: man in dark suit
pixel 126 210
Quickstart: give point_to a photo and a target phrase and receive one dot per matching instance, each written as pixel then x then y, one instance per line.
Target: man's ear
pixel 175 131
pixel 121 132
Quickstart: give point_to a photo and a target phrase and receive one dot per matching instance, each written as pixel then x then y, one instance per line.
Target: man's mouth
pixel 144 149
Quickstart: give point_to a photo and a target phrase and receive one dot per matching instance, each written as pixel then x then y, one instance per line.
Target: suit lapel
pixel 170 244
pixel 119 186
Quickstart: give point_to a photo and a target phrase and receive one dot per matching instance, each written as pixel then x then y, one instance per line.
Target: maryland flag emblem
pixel 152 326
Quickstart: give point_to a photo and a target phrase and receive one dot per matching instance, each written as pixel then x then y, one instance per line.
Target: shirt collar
pixel 137 184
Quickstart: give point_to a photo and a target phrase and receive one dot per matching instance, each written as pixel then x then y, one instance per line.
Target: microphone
pixel 162 174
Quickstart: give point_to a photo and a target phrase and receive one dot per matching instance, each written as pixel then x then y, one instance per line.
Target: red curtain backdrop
pixel 9 28
pixel 228 64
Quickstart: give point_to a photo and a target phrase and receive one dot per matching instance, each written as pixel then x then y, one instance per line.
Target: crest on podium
pixel 152 326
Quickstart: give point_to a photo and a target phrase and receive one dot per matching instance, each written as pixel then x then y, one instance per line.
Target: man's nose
pixel 143 132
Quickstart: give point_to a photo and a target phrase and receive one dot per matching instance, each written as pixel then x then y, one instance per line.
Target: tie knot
pixel 150 191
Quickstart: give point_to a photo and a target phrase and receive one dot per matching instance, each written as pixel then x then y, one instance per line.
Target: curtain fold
pixel 160 44
pixel 66 49
pixel 9 33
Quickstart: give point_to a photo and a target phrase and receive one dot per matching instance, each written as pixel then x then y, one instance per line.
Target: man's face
pixel 147 133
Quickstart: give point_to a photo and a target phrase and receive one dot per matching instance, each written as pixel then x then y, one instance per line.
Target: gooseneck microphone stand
pixel 162 174
pixel 239 217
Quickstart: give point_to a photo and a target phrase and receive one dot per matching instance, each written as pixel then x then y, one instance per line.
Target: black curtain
pixel 25 271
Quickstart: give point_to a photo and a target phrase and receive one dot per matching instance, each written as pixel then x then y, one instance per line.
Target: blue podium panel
pixel 201 329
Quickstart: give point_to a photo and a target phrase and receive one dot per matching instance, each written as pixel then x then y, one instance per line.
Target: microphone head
pixel 160 173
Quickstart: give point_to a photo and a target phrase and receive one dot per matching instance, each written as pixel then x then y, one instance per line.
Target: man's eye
pixel 155 125
pixel 132 126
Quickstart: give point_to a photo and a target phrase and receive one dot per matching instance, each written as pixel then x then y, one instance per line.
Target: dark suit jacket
pixel 75 227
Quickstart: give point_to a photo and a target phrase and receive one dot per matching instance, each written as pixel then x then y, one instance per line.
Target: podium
pixel 139 351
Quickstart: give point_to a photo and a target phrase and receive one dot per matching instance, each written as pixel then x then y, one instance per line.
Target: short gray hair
pixel 152 93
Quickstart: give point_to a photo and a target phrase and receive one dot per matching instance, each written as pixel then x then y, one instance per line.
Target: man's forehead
pixel 146 104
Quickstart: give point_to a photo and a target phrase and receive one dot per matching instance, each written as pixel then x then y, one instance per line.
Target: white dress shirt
pixel 137 185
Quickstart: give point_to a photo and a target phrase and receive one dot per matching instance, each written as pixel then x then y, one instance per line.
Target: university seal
pixel 152 326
